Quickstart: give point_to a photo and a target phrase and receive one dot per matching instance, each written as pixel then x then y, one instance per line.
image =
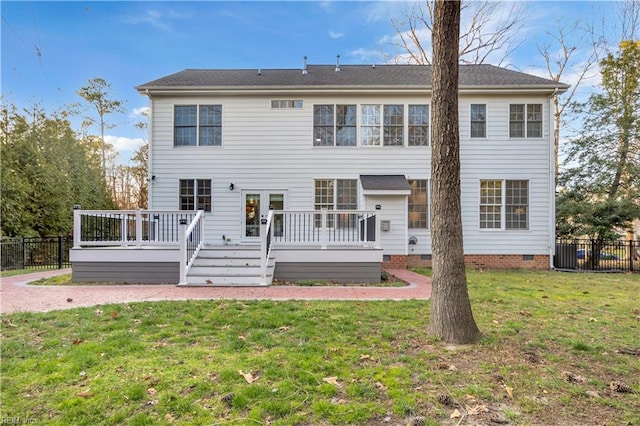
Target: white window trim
pixel 526 122
pixel 503 206
pixel 428 145
pixel 486 122
pixel 197 145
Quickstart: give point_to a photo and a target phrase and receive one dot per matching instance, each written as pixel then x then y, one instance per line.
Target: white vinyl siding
pixel 270 148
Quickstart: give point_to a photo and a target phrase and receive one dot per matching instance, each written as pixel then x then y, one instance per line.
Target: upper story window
pixel 334 125
pixel 418 205
pixel 195 194
pixel 287 103
pixel 370 125
pixel 393 125
pixel 504 209
pixel 197 125
pixel 525 120
pixel 377 125
pixel 478 121
pixel 418 125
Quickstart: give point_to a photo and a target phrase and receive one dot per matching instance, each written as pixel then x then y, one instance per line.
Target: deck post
pixel 323 229
pixel 263 250
pixel 138 228
pixel 183 251
pixel 377 242
pixel 77 226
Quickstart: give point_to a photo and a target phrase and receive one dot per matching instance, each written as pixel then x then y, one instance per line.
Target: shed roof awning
pixel 385 185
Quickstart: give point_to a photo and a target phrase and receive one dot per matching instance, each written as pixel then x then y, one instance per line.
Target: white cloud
pixel 365 55
pixel 157 18
pixel 139 112
pixel 124 144
pixel 334 34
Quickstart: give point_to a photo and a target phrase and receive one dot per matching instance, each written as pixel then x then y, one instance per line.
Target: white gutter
pixel 552 182
pixel 150 174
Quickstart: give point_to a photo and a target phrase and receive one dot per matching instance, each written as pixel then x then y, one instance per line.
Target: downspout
pixel 552 181
pixel 150 176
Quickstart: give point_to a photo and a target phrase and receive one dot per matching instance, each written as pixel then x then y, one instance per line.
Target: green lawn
pixel 552 345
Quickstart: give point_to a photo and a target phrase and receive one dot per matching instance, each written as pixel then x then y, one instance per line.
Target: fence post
pixel 632 254
pixel 24 253
pixel 59 251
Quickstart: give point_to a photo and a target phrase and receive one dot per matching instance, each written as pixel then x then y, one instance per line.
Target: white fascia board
pixel 399 192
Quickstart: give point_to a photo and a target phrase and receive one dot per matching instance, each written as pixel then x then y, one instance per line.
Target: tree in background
pixel 451 317
pixel 600 187
pixel 491 32
pixel 97 93
pixel 46 169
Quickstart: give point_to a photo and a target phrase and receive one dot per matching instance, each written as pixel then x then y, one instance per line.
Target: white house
pixel 353 138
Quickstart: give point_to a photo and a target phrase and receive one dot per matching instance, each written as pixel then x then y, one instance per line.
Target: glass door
pixel 256 205
pixel 252 215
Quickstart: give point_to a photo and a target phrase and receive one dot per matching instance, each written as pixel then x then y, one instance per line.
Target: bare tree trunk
pixel 451 315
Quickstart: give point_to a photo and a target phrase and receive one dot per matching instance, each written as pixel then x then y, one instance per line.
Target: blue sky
pixel 51 49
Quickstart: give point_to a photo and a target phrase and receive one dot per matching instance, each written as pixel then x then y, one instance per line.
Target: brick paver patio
pixel 17 295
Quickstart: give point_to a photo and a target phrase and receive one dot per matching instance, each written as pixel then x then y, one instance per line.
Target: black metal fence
pixel 35 253
pixel 597 255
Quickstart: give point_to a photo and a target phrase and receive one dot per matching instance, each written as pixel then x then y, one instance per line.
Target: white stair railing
pixel 191 241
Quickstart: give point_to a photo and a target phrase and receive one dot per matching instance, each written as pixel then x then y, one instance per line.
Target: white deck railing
pixel 105 228
pixel 326 228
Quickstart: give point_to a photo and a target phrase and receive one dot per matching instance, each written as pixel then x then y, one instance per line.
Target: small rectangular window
pixel 287 103
pixel 478 121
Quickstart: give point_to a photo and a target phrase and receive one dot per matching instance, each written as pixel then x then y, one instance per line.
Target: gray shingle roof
pixel 384 182
pixel 356 76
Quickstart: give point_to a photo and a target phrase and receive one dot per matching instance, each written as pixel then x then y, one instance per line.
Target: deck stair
pixel 229 266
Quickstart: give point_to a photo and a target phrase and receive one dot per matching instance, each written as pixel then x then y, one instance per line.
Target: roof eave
pixel 239 90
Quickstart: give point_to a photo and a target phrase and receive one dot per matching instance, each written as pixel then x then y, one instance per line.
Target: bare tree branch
pixel 488 32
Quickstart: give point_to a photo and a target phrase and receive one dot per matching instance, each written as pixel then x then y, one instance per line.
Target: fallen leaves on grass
pixel 332 380
pixel 85 394
pixel 250 378
pixel 568 376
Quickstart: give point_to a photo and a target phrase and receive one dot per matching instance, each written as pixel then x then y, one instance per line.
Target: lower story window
pixel 336 194
pixel 418 206
pixel 195 194
pixel 504 204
